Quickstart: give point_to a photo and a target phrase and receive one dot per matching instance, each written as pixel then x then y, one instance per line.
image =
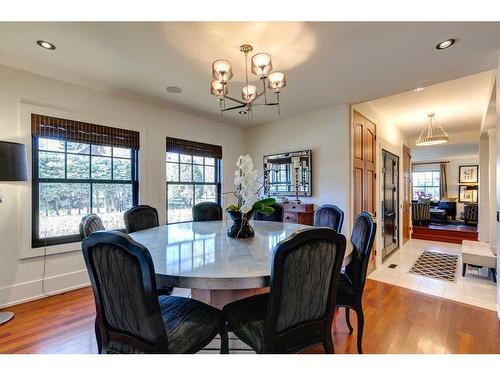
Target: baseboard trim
pixel 32 290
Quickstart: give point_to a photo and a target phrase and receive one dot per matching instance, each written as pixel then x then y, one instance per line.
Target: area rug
pixel 436 265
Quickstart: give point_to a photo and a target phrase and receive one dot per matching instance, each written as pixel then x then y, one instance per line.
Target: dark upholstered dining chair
pixel 298 311
pixel 352 280
pixel 329 216
pixel 89 224
pixel 140 217
pixel 131 316
pixel 207 211
pixel 277 215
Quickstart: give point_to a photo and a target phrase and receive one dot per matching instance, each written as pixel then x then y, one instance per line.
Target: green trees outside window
pixel 72 179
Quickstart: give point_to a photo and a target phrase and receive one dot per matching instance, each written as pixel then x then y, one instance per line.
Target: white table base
pixel 220 297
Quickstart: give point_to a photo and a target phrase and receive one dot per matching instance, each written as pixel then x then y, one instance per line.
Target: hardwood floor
pixel 397 320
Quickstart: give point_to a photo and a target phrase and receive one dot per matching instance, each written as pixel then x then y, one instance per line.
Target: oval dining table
pixel 218 269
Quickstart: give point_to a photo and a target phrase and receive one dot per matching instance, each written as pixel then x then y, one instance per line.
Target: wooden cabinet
pixel 298 213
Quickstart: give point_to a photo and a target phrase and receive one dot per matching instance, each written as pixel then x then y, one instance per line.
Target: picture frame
pixel 467 194
pixel 468 174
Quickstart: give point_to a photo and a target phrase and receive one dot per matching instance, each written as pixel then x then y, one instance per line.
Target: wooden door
pixel 364 133
pixel 407 194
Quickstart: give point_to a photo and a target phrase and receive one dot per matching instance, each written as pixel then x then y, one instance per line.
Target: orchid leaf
pixel 267 201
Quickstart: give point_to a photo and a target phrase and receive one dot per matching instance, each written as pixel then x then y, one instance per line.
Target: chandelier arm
pixel 278 100
pixel 235 100
pixel 235 107
pixel 263 104
pixel 265 93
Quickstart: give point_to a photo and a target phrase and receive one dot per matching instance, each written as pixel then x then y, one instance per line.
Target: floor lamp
pixel 13 167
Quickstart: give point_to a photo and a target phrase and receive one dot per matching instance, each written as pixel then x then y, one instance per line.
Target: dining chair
pixel 298 311
pixel 144 217
pixel 329 216
pixel 207 211
pixel 140 217
pixel 277 215
pixel 352 280
pixel 89 224
pixel 131 316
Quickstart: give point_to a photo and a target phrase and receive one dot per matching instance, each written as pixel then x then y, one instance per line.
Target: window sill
pixel 50 250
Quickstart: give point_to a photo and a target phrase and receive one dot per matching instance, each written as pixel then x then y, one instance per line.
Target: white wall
pixel 20 92
pixel 326 133
pixel 484 193
pixel 453 178
pixel 497 203
pixel 492 143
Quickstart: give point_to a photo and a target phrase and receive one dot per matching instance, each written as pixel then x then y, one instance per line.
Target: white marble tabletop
pixel 201 255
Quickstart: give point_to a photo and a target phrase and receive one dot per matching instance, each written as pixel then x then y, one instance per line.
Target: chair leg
pixel 224 340
pixel 348 320
pixel 464 269
pixel 328 345
pixel 493 274
pixel 98 337
pixel 361 324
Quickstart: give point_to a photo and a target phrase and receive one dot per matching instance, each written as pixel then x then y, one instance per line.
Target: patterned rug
pixel 436 265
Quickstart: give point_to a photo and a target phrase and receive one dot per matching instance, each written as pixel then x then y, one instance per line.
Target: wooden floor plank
pixel 397 320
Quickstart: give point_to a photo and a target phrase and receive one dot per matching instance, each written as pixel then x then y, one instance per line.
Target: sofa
pixel 449 205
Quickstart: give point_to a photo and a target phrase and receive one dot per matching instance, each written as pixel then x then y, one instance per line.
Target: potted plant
pixel 247 196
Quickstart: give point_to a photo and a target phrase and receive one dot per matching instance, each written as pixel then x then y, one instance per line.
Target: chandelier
pixel 432 134
pixel 261 67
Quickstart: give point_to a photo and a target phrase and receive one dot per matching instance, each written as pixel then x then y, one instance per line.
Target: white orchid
pixel 248 186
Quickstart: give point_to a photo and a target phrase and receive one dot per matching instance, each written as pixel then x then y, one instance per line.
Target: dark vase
pixel 241 227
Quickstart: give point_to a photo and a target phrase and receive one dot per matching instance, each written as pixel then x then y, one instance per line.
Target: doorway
pixel 390 205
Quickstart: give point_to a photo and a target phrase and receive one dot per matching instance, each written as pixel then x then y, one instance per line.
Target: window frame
pixel 217 180
pixel 423 187
pixel 36 241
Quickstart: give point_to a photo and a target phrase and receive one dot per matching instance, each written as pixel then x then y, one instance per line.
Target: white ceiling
pixel 327 63
pixel 445 152
pixel 459 105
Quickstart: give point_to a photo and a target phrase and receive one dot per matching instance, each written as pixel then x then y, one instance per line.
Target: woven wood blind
pixel 183 146
pixel 69 130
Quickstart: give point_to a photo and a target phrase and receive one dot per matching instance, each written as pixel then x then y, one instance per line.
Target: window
pixel 73 178
pixel 427 183
pixel 193 176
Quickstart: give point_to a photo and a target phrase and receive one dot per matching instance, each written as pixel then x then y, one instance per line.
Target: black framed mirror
pixel 287 172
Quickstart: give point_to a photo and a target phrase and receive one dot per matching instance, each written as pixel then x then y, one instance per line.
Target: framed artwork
pixel 467 194
pixel 467 174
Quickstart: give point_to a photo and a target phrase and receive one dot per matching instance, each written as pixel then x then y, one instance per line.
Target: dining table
pixel 218 269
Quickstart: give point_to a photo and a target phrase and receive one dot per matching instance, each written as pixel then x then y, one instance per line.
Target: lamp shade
pixel 13 163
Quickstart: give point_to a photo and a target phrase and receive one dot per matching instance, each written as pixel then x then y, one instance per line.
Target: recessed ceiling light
pixel 242 112
pixel 418 89
pixel 45 44
pixel 445 44
pixel 174 89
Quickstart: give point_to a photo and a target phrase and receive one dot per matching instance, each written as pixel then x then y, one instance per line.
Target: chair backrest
pixel 362 237
pixel 304 279
pixel 207 211
pixel 420 211
pixel 89 224
pixel 140 217
pixel 329 216
pixel 123 281
pixel 277 215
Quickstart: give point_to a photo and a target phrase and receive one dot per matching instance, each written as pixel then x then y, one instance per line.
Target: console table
pixel 298 213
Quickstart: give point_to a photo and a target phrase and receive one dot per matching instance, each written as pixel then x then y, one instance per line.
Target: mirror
pixel 284 172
